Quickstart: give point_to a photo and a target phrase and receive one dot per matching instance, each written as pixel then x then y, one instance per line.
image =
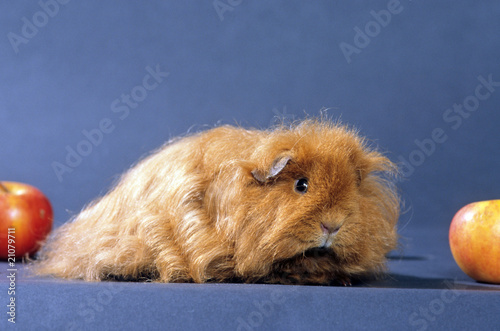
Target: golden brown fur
pixel 221 205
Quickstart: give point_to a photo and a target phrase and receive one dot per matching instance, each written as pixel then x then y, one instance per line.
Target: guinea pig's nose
pixel 330 229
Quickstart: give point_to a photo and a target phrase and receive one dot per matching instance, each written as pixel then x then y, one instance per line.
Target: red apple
pixel 25 219
pixel 475 240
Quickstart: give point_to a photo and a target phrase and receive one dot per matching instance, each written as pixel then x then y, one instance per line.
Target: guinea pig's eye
pixel 301 185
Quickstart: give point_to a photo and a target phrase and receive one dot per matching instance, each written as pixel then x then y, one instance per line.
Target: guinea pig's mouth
pixel 318 252
pixel 310 254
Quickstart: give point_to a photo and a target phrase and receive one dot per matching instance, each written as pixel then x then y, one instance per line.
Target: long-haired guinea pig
pixel 306 204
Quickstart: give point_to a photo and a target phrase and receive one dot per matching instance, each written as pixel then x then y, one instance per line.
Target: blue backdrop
pixel 394 69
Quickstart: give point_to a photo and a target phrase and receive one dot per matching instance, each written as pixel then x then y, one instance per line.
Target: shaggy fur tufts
pixel 222 205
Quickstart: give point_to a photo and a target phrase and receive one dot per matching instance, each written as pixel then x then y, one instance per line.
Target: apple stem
pixel 3 188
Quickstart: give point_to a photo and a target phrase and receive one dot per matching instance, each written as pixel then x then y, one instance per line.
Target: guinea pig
pixel 306 204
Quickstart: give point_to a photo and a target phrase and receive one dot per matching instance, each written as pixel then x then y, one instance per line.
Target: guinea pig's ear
pixel 276 167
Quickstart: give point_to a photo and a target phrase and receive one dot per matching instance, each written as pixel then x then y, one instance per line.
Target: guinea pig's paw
pixel 342 280
pixel 346 282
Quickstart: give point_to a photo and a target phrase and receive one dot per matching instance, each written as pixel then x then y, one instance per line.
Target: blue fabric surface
pixel 92 86
pixel 400 302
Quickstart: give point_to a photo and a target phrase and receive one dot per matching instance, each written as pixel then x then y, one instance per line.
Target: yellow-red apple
pixel 475 240
pixel 25 219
